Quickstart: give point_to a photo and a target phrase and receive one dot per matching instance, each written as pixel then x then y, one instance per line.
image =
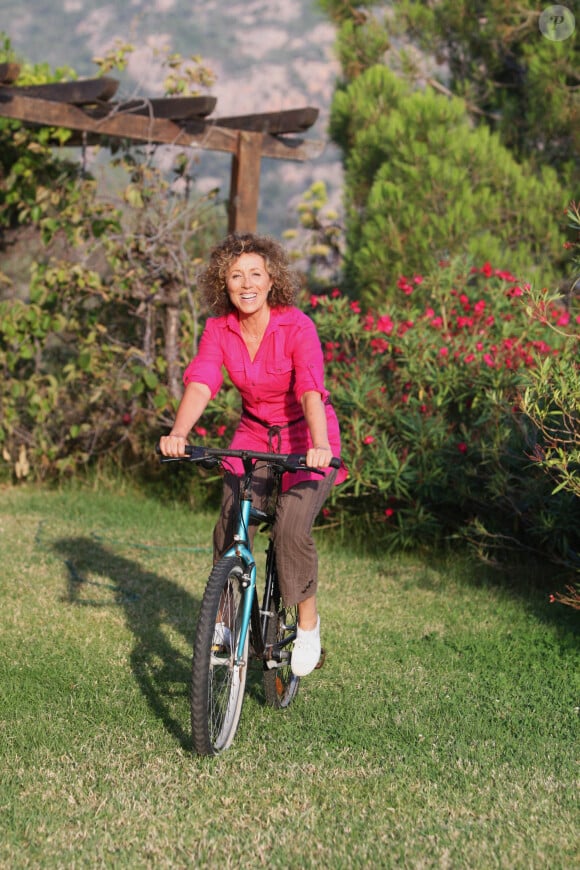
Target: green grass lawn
pixel 441 732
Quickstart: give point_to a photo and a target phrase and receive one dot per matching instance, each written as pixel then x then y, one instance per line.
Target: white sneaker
pixel 306 652
pixel 222 637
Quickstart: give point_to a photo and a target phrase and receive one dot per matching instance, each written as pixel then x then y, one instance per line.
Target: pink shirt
pixel 288 363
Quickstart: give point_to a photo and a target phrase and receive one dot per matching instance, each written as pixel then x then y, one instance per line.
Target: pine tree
pixel 429 175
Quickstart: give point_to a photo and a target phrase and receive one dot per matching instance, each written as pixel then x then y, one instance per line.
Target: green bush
pixel 422 184
pixel 90 364
pixel 429 393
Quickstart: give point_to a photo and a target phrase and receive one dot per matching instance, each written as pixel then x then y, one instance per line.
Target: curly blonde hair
pixel 212 280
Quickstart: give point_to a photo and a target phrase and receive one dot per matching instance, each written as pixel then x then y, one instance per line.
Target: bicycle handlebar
pixel 286 461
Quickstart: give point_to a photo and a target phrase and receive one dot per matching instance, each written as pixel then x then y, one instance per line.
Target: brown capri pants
pixel 296 510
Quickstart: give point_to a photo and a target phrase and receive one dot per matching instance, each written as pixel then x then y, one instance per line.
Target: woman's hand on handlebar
pixel 319 457
pixel 172 445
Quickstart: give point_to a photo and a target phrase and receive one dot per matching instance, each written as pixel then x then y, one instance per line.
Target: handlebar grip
pixel 189 449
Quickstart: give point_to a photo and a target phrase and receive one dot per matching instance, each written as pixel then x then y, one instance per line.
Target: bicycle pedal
pixel 321 660
pixel 220 649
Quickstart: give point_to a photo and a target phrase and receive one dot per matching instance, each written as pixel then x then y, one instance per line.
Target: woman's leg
pixel 296 556
pixel 308 613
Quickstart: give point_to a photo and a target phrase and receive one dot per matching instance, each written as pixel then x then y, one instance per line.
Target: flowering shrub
pixel 429 395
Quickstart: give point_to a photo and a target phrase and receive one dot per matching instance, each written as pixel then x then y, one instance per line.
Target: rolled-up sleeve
pixel 206 366
pixel 308 361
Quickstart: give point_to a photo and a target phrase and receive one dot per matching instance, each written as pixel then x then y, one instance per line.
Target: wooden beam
pixel 286 121
pixel 197 134
pixel 9 72
pixel 245 183
pixel 78 93
pixel 169 108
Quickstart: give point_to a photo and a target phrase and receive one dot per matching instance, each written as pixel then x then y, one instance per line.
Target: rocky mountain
pixel 266 55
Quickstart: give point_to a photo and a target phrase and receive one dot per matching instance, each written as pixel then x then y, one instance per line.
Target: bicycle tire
pixel 217 682
pixel 280 684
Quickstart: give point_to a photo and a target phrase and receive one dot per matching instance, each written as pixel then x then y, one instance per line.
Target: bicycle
pixel 232 627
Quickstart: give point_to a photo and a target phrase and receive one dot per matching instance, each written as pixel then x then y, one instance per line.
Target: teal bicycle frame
pixel 241 549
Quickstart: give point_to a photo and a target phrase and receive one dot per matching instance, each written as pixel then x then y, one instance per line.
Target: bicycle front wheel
pixel 217 680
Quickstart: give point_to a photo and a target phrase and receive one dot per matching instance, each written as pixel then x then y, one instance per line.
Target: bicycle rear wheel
pixel 280 684
pixel 217 682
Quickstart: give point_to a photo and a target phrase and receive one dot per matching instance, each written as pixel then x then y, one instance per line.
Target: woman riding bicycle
pixel 273 356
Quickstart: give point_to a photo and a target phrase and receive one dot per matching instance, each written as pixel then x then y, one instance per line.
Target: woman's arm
pixel 320 453
pixel 193 403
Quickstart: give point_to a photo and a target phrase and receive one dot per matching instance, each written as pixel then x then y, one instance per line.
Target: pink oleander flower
pixel 404 326
pixel 379 345
pixel 335 293
pixel 314 301
pixel 487 270
pixel 403 284
pixel 220 431
pixel 462 447
pixel 443 351
pixel 389 512
pixel 505 276
pixel 368 439
pixel 199 430
pixel 385 324
pixel 355 306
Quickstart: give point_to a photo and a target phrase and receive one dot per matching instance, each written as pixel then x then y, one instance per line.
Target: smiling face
pixel 248 284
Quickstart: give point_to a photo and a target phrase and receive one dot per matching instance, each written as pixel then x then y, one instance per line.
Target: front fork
pixel 241 550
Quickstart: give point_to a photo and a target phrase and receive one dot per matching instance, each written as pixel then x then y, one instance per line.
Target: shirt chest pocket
pixel 279 368
pixel 237 373
pixel 279 377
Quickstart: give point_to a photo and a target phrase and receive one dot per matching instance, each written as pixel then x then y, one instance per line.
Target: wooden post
pixel 245 183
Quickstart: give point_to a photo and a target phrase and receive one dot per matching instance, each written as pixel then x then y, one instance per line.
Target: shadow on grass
pixel 154 607
pixel 530 581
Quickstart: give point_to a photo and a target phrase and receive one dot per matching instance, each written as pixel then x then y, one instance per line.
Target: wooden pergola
pixel 87 108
